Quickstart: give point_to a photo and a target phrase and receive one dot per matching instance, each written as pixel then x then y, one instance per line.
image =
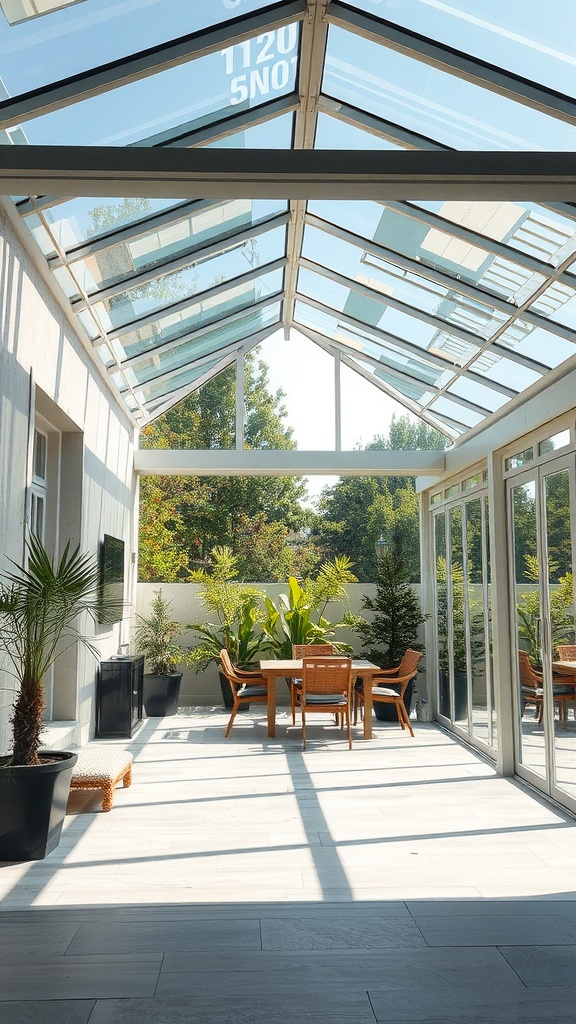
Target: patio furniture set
pixel 323 682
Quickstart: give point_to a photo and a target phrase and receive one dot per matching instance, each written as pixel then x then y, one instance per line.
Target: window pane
pixel 185 97
pixel 506 35
pixel 434 103
pixel 44 50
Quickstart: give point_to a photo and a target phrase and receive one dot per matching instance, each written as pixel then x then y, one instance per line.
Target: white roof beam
pixel 220 462
pixel 313 38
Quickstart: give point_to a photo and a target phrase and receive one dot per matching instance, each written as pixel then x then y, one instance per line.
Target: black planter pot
pixel 161 694
pixel 387 712
pixel 33 804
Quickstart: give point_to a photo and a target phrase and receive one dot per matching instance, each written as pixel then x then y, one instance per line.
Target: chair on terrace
pixel 566 652
pixel 326 689
pixel 305 651
pixel 246 687
pixel 398 678
pixel 532 689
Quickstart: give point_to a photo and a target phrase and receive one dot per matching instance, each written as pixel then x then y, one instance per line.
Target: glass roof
pixel 453 307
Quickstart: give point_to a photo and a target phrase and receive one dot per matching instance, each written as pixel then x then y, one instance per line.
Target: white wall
pixel 204 688
pixel 38 343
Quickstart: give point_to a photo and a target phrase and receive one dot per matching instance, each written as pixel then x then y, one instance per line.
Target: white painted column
pixel 240 418
pixel 503 681
pixel 427 580
pixel 337 404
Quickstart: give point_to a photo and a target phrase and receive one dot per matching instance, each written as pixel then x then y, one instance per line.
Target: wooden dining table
pixel 565 669
pixel 273 670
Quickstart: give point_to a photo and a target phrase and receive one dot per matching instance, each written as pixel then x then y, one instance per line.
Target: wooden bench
pixel 102 768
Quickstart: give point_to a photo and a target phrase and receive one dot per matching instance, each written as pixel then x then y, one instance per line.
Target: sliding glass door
pixel 465 693
pixel 542 513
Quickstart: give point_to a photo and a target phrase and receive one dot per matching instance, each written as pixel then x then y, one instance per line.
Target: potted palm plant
pixel 155 638
pixel 39 607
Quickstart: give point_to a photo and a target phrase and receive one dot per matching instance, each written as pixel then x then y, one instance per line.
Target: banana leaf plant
pixel 298 616
pixel 39 608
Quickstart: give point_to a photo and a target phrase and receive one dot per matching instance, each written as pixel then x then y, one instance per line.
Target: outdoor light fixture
pixel 381 547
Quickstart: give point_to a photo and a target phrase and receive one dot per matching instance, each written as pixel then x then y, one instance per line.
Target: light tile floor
pixel 246 880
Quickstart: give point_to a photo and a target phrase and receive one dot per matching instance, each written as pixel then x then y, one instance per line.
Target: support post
pixel 337 404
pixel 503 680
pixel 240 419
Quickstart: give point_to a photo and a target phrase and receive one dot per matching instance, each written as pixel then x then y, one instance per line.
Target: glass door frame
pixel 537 473
pixel 465 729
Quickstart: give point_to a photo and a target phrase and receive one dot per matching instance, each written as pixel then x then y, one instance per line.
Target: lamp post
pixel 381 547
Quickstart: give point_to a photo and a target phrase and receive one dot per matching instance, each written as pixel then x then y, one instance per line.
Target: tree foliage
pixel 397 615
pixel 356 511
pixel 183 518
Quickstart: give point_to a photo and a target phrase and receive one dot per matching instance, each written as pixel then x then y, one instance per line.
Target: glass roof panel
pixel 454 256
pixel 395 283
pixel 476 393
pixel 537 344
pixel 540 233
pixel 194 94
pixel 363 342
pixel 114 264
pixel 74 221
pixel 370 311
pixel 426 296
pixel 157 389
pixel 273 134
pixel 178 357
pixel 173 324
pixel 331 133
pixel 494 32
pixel 558 303
pixel 454 112
pixel 447 408
pixel 141 300
pixel 43 50
pixel 504 371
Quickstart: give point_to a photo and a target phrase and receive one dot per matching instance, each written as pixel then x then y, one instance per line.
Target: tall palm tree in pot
pixel 39 608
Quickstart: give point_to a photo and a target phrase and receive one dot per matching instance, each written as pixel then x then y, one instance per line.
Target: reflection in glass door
pixel 442 615
pixel 558 625
pixel 463 619
pixel 478 620
pixel 542 504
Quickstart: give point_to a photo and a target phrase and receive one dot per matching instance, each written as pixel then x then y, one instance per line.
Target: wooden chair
pixel 567 652
pixel 246 687
pixel 532 689
pixel 305 651
pixel 326 689
pixel 399 677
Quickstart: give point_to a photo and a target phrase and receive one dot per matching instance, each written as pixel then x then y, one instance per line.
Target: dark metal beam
pixel 272 174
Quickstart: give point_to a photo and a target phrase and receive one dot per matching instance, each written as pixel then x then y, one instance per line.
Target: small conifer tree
pixel 398 616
